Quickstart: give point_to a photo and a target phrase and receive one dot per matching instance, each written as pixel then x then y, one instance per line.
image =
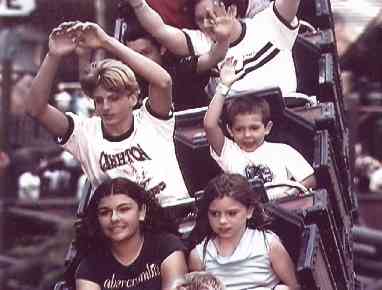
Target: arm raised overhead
pixel 60 44
pixel 92 35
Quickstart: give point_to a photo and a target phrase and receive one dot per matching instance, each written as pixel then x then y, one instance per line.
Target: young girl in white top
pixel 234 245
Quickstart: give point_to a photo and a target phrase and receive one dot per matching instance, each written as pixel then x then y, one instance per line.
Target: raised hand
pixel 79 50
pixel 61 42
pixel 227 72
pixel 222 20
pixel 89 35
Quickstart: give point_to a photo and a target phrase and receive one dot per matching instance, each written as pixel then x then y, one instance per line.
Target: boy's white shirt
pixel 279 162
pixel 149 153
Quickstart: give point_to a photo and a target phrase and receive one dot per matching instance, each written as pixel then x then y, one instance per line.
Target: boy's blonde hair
pixel 199 281
pixel 112 75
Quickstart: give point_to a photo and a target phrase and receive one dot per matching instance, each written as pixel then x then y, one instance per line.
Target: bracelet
pixel 140 4
pixel 222 89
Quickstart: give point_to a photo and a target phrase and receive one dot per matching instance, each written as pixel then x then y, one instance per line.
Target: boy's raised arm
pixel 215 135
pixel 160 83
pixel 55 121
pixel 287 9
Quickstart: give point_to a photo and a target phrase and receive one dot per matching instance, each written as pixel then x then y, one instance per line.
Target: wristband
pixel 222 89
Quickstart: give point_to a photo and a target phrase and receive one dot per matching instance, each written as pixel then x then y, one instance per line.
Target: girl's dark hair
pixel 121 185
pixel 238 188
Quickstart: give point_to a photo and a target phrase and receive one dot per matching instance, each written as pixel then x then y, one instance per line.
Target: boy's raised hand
pixel 79 50
pixel 61 42
pixel 227 72
pixel 89 35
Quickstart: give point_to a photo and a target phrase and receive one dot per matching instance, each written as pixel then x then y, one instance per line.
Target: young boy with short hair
pixel 248 124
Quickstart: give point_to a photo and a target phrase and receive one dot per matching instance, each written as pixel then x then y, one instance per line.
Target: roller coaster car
pixel 323 256
pixel 335 177
pixel 318 264
pixel 312 266
pixel 307 52
pixel 317 69
pixel 316 259
pixel 319 117
pixel 317 12
pixel 330 89
pixel 331 146
pixel 316 128
pixel 287 225
pixel 322 40
pixel 315 208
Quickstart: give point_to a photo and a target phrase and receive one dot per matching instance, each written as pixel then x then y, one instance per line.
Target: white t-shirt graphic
pixel 277 162
pixel 145 154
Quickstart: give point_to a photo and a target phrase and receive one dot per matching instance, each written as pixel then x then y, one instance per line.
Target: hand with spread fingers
pixel 227 72
pixel 222 20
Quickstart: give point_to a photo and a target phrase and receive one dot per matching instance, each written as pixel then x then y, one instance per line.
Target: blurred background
pixel 40 185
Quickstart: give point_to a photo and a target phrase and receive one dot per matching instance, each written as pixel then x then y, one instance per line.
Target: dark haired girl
pixel 129 254
pixel 234 245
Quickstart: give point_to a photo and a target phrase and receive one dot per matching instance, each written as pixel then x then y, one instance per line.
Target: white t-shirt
pixel 145 154
pixel 263 53
pixel 277 162
pixel 248 267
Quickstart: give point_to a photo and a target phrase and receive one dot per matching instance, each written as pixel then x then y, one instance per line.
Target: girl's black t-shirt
pixel 143 274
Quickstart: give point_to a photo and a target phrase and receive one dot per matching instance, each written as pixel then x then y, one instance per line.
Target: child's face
pixel 228 217
pixel 119 216
pixel 249 131
pixel 114 108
